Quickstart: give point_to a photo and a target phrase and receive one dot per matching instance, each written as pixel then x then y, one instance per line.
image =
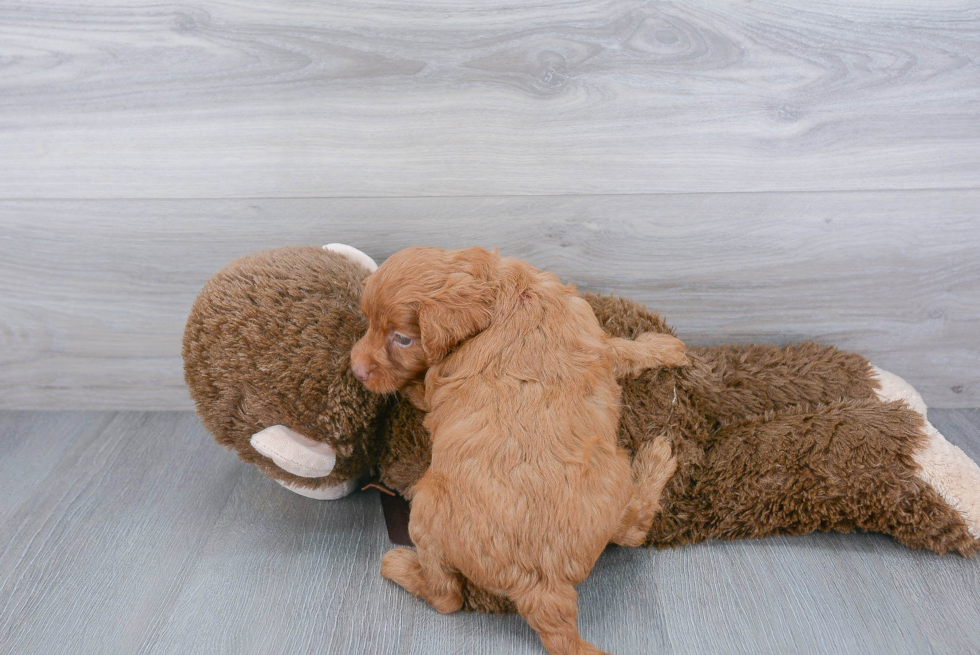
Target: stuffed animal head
pixel 267 362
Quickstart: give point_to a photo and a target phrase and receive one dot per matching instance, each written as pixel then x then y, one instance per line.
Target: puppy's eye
pixel 400 339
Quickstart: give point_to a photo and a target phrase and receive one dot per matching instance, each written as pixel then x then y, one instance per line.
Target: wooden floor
pixel 134 533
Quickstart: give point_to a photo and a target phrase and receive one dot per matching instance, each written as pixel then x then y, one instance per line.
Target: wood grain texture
pixel 95 555
pixel 306 98
pixel 31 446
pixel 135 533
pixel 95 294
pixel 951 591
pixel 279 576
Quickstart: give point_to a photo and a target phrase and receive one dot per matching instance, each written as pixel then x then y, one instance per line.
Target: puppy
pixel 525 489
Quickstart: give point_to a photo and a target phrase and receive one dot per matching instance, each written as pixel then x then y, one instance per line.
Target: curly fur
pixel 267 346
pixel 525 487
pixel 256 327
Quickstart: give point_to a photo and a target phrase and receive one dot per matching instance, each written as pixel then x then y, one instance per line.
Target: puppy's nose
pixel 363 370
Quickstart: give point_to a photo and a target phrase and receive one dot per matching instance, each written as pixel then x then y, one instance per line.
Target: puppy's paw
pixel 401 565
pixel 635 524
pixel 671 350
pixel 634 537
pixel 447 603
pixel 442 591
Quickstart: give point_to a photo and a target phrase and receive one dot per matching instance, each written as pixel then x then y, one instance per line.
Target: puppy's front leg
pixel 414 391
pixel 650 350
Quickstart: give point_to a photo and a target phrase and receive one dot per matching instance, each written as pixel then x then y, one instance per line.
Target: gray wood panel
pixel 94 294
pixel 135 533
pixel 143 99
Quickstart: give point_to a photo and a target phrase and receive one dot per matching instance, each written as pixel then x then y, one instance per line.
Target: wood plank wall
pixel 767 171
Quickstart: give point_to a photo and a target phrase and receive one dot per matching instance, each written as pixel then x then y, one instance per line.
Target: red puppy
pixel 525 489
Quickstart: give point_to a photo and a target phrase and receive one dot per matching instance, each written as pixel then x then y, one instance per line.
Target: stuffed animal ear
pixel 462 307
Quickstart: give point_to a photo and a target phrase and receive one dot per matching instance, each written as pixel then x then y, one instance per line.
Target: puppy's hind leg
pixel 653 466
pixel 650 350
pixel 424 577
pixel 553 613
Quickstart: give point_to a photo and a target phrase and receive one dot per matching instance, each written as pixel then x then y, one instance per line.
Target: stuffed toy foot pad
pixel 944 467
pixel 956 477
pixel 895 388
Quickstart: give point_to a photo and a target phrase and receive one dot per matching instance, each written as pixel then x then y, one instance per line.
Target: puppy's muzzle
pixel 362 370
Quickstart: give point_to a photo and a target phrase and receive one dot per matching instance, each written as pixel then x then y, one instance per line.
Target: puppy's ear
pixel 462 307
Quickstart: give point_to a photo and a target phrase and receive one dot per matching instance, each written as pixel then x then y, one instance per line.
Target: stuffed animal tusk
pixel 353 254
pixel 324 493
pixel 294 452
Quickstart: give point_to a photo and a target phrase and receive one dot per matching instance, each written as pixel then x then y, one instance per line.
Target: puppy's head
pixel 421 303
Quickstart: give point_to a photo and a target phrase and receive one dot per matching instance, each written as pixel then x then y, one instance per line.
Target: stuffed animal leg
pixel 788 440
pixel 713 408
pixel 943 466
pixel 846 466
pixel 755 379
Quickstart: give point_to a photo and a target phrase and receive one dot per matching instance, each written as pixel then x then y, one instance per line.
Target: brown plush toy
pixel 760 440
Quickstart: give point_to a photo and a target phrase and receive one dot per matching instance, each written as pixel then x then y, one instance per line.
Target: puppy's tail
pixel 553 613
